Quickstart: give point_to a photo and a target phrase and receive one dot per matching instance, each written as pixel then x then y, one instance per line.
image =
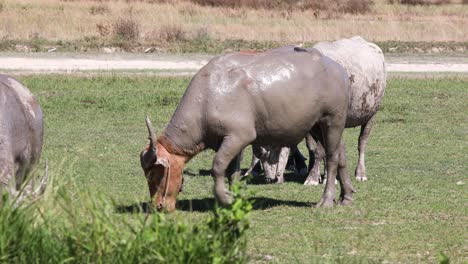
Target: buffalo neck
pixel 183 135
pixel 174 149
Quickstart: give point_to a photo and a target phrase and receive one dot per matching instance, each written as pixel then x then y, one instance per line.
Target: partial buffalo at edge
pixel 21 139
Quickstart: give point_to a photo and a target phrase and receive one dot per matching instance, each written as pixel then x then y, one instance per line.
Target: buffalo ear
pixel 148 158
pixel 162 161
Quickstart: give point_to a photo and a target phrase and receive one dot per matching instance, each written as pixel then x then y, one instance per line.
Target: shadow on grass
pixel 200 173
pixel 207 204
pixel 259 180
pixel 288 177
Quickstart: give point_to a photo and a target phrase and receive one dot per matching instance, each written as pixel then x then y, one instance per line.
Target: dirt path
pixel 187 64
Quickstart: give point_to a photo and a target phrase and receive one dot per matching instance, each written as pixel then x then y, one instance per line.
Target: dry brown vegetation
pixel 421 2
pixel 172 33
pixel 152 22
pixel 99 10
pixel 126 29
pixel 341 6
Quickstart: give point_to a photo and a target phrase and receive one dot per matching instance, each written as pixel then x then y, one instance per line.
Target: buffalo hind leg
pixel 332 140
pixel 256 154
pixel 363 138
pixel 345 181
pixel 7 180
pixel 229 150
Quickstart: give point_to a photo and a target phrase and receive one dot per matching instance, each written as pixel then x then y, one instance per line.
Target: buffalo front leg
pixel 233 169
pixel 332 138
pixel 283 159
pixel 226 155
pixel 314 174
pixel 363 138
pixel 270 163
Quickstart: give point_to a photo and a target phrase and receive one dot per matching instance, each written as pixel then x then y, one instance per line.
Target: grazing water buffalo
pixel 365 65
pixel 239 99
pixel 21 138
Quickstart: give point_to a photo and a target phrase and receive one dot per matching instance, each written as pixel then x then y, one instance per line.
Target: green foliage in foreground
pixel 412 207
pixel 55 232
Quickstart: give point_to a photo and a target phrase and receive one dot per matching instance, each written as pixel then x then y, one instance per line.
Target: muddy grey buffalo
pixel 365 65
pixel 21 138
pixel 239 99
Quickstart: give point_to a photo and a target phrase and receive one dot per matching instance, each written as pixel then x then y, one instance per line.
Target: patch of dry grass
pixel 421 2
pixel 68 20
pixel 99 9
pixel 172 33
pixel 337 6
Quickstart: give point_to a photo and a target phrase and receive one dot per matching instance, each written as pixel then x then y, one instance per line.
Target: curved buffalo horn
pixel 152 135
pixel 150 156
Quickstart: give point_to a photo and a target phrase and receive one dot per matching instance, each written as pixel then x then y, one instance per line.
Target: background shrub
pixel 126 29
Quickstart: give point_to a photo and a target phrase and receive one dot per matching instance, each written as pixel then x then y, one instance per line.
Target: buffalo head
pixel 163 172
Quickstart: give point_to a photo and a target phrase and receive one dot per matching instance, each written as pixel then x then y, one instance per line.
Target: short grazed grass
pixel 412 207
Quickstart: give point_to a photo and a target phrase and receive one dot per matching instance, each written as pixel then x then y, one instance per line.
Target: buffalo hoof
pixel 311 182
pixel 325 203
pixel 270 181
pixel 224 198
pixel 346 201
pixel 361 178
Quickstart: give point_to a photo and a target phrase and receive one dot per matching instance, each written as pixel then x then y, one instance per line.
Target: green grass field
pixel 413 206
